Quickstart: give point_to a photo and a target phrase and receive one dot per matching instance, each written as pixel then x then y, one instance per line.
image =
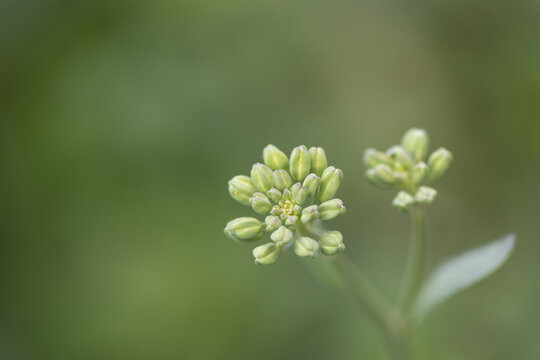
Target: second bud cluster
pixel 405 167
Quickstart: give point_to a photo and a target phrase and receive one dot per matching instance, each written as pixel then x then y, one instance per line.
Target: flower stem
pixel 362 290
pixel 414 269
pixel 344 274
pixel 385 315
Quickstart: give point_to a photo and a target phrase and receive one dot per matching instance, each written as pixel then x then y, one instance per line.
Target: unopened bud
pixel 275 158
pixel 330 181
pixel 272 223
pixel 438 163
pixel 300 163
pixel 291 220
pixel 416 142
pixel 318 160
pixel 374 157
pixel 274 195
pixel 260 203
pixel 309 213
pixel 287 194
pixel 382 176
pixel 425 195
pixel 403 201
pixel 282 236
pixel 401 157
pixel 311 183
pixel 281 179
pixel 241 189
pixel 244 229
pixel 266 254
pixel 306 247
pixel 419 172
pixel 331 208
pixel 331 242
pixel 299 194
pixel 261 176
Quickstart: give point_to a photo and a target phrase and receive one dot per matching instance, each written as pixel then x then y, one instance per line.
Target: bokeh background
pixel 122 121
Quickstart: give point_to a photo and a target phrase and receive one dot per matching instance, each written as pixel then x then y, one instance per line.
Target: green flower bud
pixel 300 164
pixel 272 223
pixel 331 208
pixel 403 201
pixel 402 159
pixel 260 203
pixel 306 247
pixel 299 193
pixel 318 160
pixel 419 172
pixel 261 176
pixel 311 183
pixel 330 181
pixel 438 163
pixel 309 213
pixel 374 157
pixel 266 254
pixel 373 178
pixel 327 173
pixel 274 195
pixel 291 220
pixel 275 158
pixel 281 179
pixel 276 210
pixel 331 242
pixel 416 142
pixel 244 229
pixel 241 189
pixel 287 194
pixel 425 195
pixel 382 176
pixel 282 236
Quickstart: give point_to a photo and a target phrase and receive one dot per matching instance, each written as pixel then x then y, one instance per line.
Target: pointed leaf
pixel 460 272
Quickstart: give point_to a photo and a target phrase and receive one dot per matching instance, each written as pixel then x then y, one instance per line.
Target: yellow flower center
pixel 287 207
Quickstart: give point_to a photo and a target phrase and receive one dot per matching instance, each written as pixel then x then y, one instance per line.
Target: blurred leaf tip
pixel 461 272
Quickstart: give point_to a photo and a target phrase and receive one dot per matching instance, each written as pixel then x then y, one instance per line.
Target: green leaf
pixel 460 272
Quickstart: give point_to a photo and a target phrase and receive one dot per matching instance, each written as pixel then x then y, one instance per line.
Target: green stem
pixel 379 308
pixel 349 278
pixel 414 270
pixel 362 290
pixel 398 346
pixel 352 281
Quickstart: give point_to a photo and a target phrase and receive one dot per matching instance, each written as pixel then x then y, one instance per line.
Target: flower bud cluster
pixel 294 193
pixel 408 168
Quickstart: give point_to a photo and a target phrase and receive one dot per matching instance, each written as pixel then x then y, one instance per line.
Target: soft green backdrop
pixel 121 122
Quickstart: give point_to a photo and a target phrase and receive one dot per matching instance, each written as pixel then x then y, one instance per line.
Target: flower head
pixel 404 167
pixel 295 193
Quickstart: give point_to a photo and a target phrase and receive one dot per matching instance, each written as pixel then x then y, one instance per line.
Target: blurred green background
pixel 122 121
